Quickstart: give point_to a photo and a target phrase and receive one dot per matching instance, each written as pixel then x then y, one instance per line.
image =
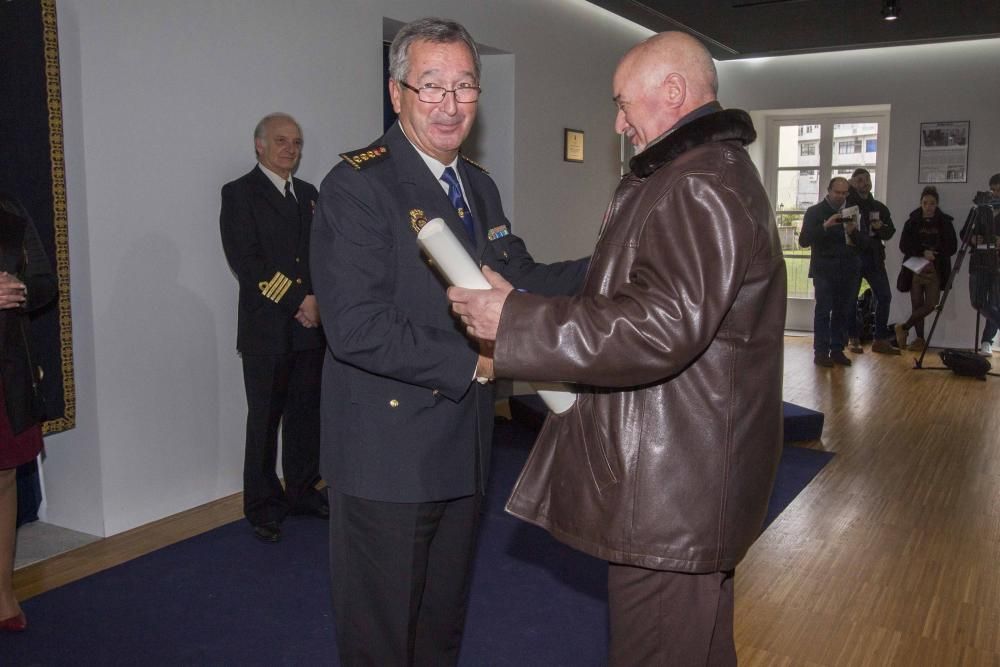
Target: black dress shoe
pixel 838 357
pixel 823 360
pixel 268 532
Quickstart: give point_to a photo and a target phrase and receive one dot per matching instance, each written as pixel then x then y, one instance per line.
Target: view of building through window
pixel 808 155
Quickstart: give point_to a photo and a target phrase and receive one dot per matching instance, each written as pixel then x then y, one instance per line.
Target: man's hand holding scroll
pixel 480 309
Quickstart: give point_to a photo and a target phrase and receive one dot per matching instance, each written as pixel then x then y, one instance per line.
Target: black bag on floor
pixel 969 364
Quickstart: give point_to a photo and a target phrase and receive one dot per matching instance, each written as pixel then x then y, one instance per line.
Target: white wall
pixel 942 82
pixel 159 103
pixel 160 99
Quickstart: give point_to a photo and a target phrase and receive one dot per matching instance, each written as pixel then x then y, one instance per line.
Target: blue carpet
pixel 223 598
pixel 801 423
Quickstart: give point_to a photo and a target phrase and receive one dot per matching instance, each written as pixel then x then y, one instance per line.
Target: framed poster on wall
pixel 944 152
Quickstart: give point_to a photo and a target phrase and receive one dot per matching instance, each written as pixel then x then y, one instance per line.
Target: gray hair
pixel 438 31
pixel 259 131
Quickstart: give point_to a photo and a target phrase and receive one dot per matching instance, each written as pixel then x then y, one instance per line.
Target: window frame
pixel 825 119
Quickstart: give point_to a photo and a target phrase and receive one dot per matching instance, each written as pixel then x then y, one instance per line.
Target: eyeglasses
pixel 464 94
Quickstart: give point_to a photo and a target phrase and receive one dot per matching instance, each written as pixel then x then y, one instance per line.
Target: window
pixel 801 156
pixel 848 147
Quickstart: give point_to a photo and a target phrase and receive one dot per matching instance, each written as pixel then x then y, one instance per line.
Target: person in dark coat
pixel 406 426
pixel 984 276
pixel 834 266
pixel 664 464
pixel 875 228
pixel 27 283
pixel 929 233
pixel 265 221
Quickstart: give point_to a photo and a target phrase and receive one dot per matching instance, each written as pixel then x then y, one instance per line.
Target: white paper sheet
pixel 916 264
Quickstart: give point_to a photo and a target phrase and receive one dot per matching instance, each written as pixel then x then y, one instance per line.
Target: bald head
pixel 680 53
pixel 659 81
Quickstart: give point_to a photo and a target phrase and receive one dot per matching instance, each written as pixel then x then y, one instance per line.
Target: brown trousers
pixel 670 619
pixel 924 296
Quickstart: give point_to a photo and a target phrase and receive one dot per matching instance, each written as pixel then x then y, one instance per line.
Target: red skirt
pixel 20 448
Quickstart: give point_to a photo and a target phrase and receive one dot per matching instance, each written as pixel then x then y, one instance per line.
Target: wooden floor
pixel 891 556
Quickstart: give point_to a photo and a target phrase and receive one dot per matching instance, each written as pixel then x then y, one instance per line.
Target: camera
pixel 986 198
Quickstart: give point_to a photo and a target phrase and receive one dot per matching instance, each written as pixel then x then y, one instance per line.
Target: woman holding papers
pixel 929 235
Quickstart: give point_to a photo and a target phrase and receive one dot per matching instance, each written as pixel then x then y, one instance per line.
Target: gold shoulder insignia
pixel 365 157
pixel 476 165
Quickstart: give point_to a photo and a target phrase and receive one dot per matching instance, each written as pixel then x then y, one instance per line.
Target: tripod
pixel 980 218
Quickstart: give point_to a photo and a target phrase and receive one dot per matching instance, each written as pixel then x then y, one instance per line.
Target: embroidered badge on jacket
pixel 417 220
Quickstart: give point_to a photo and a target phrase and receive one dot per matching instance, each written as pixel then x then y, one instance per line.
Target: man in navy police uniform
pixel 406 427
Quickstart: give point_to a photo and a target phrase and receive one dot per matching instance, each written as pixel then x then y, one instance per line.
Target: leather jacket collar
pixel 726 125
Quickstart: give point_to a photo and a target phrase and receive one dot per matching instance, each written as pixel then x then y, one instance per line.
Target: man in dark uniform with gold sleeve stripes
pixel 266 218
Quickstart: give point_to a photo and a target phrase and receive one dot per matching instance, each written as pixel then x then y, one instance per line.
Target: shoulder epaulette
pixel 476 165
pixel 365 157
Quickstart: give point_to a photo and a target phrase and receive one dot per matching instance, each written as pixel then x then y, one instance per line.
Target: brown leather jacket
pixel 667 459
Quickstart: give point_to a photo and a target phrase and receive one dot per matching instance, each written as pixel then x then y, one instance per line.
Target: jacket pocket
pixel 394 396
pixel 602 467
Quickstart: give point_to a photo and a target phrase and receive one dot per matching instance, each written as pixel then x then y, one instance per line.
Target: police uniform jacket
pixel 410 424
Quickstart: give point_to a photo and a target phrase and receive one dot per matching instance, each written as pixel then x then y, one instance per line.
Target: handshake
pixel 477 298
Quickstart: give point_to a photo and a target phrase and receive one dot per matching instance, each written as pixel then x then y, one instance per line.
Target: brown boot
pixel 883 346
pixel 901 335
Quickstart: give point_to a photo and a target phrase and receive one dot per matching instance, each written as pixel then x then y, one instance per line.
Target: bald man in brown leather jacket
pixel 665 463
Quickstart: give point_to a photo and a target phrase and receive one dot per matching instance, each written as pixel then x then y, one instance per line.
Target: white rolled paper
pixel 450 255
pixel 458 268
pixel 558 396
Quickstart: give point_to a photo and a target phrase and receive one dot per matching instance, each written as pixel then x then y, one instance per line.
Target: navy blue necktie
pixel 455 195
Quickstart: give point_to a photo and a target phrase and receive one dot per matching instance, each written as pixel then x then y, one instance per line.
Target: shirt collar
pixel 278 181
pixel 436 166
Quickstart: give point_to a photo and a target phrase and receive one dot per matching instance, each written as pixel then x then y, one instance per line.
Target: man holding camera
pixel 984 278
pixel 834 266
pixel 876 227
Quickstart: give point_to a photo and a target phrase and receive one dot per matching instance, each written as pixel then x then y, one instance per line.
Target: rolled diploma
pixel 459 269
